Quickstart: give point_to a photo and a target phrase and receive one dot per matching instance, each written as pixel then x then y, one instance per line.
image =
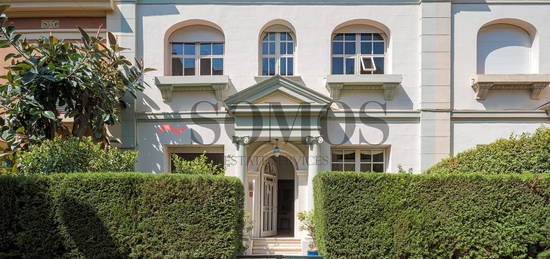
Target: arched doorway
pixel 277 197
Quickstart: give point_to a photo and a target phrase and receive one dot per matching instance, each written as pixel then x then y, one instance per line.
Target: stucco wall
pixel 467 20
pixel 313 24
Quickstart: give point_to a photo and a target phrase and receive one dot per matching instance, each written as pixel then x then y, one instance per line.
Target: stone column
pixel 241 170
pixel 313 166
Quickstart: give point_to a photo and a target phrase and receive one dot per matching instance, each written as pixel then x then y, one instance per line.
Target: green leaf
pixel 50 115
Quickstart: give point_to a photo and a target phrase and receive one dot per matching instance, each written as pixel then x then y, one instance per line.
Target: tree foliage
pixel 89 79
pixel 73 155
pixel 199 165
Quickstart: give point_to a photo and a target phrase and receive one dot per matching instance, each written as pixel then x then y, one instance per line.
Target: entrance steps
pixel 276 246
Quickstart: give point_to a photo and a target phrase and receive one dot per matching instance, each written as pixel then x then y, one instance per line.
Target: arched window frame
pixel 197 58
pixel 272 38
pixel 374 62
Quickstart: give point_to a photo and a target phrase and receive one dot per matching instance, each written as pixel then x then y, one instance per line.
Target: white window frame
pixel 362 57
pixel 277 56
pixel 358 56
pixel 358 161
pixel 197 57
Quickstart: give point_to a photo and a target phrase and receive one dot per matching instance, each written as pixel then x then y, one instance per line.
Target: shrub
pixel 199 165
pixel 363 215
pixel 120 215
pixel 71 155
pixel 519 154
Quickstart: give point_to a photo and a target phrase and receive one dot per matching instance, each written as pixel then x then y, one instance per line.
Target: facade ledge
pixel 499 115
pixel 170 84
pixel 535 83
pixel 384 82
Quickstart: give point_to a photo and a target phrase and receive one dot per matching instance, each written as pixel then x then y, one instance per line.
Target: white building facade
pixel 279 90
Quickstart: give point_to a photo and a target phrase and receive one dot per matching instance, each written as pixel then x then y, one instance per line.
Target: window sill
pixel 384 82
pixel 170 84
pixel 535 83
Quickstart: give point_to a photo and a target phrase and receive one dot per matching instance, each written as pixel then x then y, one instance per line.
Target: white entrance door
pixel 269 199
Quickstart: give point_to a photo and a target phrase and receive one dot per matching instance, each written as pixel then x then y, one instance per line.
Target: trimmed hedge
pixel 120 215
pixel 526 153
pixel 367 215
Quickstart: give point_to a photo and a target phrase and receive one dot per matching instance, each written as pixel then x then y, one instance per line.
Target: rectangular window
pixel 359 160
pixel 350 52
pixel 189 59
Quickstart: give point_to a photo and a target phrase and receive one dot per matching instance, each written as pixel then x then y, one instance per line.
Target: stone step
pixel 278 251
pixel 278 246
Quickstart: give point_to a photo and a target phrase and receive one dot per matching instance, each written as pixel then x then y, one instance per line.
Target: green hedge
pixel 526 153
pixel 366 215
pixel 120 215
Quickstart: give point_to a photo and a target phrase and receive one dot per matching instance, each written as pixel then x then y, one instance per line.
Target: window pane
pixel 271 36
pixel 349 167
pixel 379 65
pixel 217 66
pixel 272 66
pixel 177 67
pixel 282 66
pixel 349 36
pixel 337 156
pixel 366 47
pixel 350 65
pixel 206 48
pixel 365 156
pixel 365 168
pixel 339 36
pixel 378 156
pixel 265 67
pixel 337 167
pixel 177 49
pixel 206 64
pixel 283 35
pixel 189 66
pixel 349 48
pixel 265 48
pixel 366 63
pixel 189 49
pixel 272 48
pixel 337 66
pixel 349 156
pixel 377 36
pixel 217 49
pixel 290 48
pixel 378 168
pixel 337 47
pixel 290 66
pixel 378 47
pixel 366 36
pixel 283 48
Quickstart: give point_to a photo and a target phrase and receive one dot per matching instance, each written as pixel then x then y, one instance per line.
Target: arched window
pixel 358 50
pixel 197 50
pixel 277 51
pixel 503 49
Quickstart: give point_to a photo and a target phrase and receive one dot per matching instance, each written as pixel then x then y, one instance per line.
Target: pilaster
pixel 122 23
pixel 435 123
